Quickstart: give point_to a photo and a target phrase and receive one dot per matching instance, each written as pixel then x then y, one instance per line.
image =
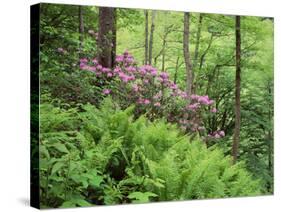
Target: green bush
pixel 92 156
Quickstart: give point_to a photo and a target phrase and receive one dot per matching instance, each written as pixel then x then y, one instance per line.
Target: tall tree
pixel 151 36
pixel 167 30
pixel 196 50
pixel 197 43
pixel 146 38
pixel 236 136
pixel 188 66
pixel 81 29
pixel 107 36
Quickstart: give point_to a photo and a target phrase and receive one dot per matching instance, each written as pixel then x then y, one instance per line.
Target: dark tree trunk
pixel 113 51
pixel 81 29
pixel 188 66
pixel 151 37
pixel 146 38
pixel 176 70
pixel 107 36
pixel 236 136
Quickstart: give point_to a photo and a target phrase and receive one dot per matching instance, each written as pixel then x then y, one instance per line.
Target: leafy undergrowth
pixel 101 156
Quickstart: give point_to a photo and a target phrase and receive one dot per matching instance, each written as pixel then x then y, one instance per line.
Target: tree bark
pixel 113 51
pixel 146 38
pixel 176 70
pixel 151 37
pixel 107 36
pixel 81 29
pixel 236 136
pixel 188 66
pixel 198 35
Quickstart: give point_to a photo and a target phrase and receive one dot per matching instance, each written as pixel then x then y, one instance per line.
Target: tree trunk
pixel 196 52
pixel 81 29
pixel 107 36
pixel 151 37
pixel 113 51
pixel 146 38
pixel 176 71
pixel 236 136
pixel 164 54
pixel 198 35
pixel 188 66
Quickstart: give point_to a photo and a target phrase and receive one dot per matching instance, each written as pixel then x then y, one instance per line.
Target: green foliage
pixel 91 155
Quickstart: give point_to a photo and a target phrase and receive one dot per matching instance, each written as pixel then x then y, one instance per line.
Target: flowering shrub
pixel 153 93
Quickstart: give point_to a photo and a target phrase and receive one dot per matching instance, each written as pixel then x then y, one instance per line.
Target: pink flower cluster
pixel 216 134
pixel 151 90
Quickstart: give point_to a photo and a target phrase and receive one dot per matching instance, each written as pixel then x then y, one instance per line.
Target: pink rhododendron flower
pixel 221 133
pixel 95 61
pixel 173 86
pixel 106 91
pixel 105 70
pixel 135 87
pixel 194 97
pixel 164 75
pixel 117 70
pixel 145 81
pixel 193 106
pixel 146 101
pixel 83 60
pixel 92 68
pixel 217 136
pixel 119 58
pixel 213 110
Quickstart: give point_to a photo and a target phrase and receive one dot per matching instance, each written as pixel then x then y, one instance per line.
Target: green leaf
pixel 74 203
pixel 82 202
pixel 60 147
pixel 57 167
pixel 44 151
pixel 141 197
pixel 94 178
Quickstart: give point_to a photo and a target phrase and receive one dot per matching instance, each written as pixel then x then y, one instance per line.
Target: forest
pixel 144 106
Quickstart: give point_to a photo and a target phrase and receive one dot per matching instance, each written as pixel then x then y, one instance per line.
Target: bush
pixel 153 93
pixel 103 155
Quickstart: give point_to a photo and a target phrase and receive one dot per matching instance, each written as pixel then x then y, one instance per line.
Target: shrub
pixel 153 93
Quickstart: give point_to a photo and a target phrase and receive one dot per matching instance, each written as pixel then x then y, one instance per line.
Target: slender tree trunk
pixel 151 37
pixel 107 36
pixel 196 52
pixel 146 38
pixel 236 136
pixel 81 29
pixel 176 71
pixel 198 35
pixel 164 54
pixel 188 66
